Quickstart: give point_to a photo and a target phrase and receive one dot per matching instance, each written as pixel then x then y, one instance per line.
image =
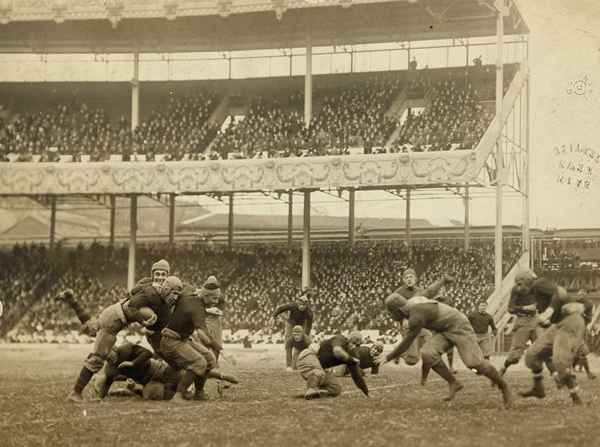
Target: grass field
pixel 263 410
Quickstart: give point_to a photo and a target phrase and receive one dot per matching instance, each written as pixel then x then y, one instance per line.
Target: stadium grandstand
pixel 113 139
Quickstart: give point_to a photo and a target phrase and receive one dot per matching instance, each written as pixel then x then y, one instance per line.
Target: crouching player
pixel 567 316
pixel 118 316
pixel 334 351
pixel 134 362
pixel 369 357
pixel 196 361
pixel 451 328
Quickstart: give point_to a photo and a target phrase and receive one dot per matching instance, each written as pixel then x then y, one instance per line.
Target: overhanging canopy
pixel 72 27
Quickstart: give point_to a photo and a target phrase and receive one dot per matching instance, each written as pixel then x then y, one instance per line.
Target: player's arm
pixel 517 309
pixel 415 325
pixel 140 285
pixel 140 356
pixel 309 321
pixel 492 325
pixel 357 377
pixel 283 308
pixel 434 289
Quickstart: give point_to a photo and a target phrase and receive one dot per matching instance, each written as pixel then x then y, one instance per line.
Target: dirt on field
pixel 265 411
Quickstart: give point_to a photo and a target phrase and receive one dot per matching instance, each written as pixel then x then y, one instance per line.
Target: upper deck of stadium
pixel 118 26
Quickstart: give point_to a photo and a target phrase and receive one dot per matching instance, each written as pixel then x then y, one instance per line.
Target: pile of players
pixel 183 325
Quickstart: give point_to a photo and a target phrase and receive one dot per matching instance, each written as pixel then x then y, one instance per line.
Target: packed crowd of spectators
pixel 346 117
pixel 351 282
pixel 353 116
pixel 452 119
pixel 86 133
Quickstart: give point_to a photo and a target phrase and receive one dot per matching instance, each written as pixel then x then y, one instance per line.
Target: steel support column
pixel 172 198
pixel 499 154
pixel 132 242
pixel 290 218
pixel 135 92
pixel 306 241
pixel 308 87
pixel 466 202
pixel 52 221
pixel 351 216
pixel 230 223
pixel 113 216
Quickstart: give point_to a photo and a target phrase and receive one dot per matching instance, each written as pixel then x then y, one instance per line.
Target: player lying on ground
pixel 451 328
pixel 150 306
pixel 334 351
pixel 134 362
pixel 369 356
pixel 566 318
pixel 196 361
pixel 300 314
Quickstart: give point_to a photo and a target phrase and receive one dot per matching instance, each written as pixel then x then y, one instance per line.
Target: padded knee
pixel 94 362
pixel 334 389
pixel 430 359
pixel 198 366
pixel 533 362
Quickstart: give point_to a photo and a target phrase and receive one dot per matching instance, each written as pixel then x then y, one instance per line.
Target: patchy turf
pixel 34 381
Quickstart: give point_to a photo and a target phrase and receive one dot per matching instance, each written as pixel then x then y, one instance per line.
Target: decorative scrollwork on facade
pixel 238 175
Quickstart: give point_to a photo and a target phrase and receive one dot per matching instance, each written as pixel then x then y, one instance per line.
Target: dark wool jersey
pixel 366 361
pixel 481 321
pixel 149 297
pixel 297 317
pixel 518 299
pixel 325 354
pixel 542 291
pixel 188 315
pixel 327 359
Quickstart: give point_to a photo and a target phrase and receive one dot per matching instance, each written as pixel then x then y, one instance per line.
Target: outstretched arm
pixel 401 347
pixel 282 308
pixel 358 378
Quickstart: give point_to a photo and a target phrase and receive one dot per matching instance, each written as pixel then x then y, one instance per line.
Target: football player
pixel 157 298
pixel 450 327
pixel 566 318
pixel 196 360
pixel 300 314
pixel 337 350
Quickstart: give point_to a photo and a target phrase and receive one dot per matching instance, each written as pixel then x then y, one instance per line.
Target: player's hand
pixel 150 320
pixel 126 365
pixel 449 279
pixel 543 322
pixel 214 311
pixel 146 331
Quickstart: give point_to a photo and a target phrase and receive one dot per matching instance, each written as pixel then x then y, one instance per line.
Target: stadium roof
pixel 119 26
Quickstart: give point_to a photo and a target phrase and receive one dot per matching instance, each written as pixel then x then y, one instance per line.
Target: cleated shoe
pixel 453 388
pixel 506 394
pixel 536 391
pixel 312 393
pixel 75 397
pixel 576 399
